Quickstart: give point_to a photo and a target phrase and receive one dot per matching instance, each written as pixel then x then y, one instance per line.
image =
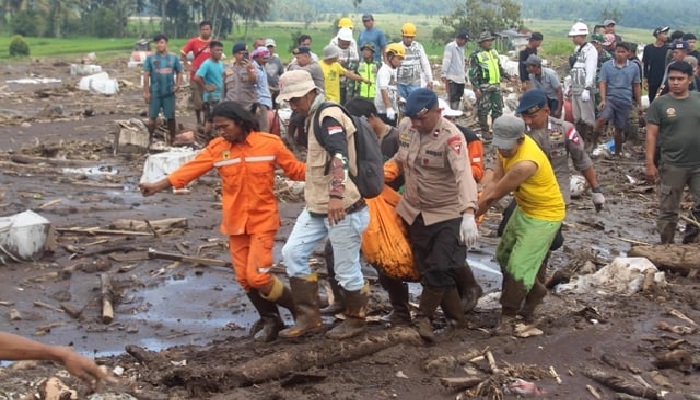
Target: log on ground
pixel 621 385
pixel 282 363
pixel 679 258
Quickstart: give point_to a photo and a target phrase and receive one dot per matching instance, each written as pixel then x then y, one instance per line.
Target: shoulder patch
pixel 455 143
pixel 573 135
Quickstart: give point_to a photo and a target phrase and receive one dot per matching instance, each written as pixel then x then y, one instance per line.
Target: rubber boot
pixel 430 299
pixel 172 130
pixel 452 307
pixel 356 307
pixel 505 325
pixel 537 294
pixel 398 297
pixel 307 318
pixel 484 126
pixel 338 305
pixel 668 233
pixel 455 105
pixel 267 328
pixel 276 292
pixel 468 288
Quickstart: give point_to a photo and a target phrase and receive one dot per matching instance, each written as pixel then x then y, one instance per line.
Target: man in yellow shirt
pixel 332 71
pixel 522 168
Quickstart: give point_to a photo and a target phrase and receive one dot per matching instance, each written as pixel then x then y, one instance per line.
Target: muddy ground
pixel 185 324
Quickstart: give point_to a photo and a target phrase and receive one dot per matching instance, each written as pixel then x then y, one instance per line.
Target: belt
pixel 355 207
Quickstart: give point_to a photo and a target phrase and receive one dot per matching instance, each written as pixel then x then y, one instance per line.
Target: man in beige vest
pixel 334 208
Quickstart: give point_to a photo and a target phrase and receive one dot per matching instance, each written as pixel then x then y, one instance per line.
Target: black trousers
pixel 437 251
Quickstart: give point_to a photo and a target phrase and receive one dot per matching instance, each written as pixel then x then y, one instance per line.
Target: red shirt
pixel 201 51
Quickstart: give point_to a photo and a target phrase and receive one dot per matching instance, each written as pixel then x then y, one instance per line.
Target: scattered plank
pixel 130 256
pixel 160 255
pixel 492 363
pixel 303 357
pixel 47 306
pixel 15 315
pixel 107 307
pixel 680 258
pixel 7 303
pixel 461 383
pixel 29 160
pixel 99 231
pixel 72 310
pixel 136 225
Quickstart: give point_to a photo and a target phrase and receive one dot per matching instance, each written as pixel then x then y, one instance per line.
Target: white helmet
pixel 578 29
pixel 345 34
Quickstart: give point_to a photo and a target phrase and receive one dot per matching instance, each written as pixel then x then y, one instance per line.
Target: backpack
pixel 370 162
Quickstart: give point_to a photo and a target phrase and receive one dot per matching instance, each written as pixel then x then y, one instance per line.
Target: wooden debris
pixel 50 203
pixel 689 220
pixel 594 392
pixel 15 315
pixel 648 283
pixel 57 162
pixel 126 268
pixel 7 303
pixel 54 389
pixel 682 316
pixel 305 356
pixel 622 385
pixel 43 330
pixel 680 360
pixel 99 231
pixel 72 310
pixel 130 256
pixel 492 363
pixel 461 383
pixel 157 225
pixel 160 255
pixel 677 329
pixel 637 242
pixel 47 306
pixel 680 258
pixel 107 307
pixel 554 374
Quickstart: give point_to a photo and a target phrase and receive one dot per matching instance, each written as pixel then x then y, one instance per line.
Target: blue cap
pixel 420 101
pixel 240 46
pixel 532 101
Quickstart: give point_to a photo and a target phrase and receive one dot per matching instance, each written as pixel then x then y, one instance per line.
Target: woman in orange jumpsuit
pixel 246 161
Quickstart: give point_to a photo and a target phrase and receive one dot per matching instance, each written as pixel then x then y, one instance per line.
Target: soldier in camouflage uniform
pixel 485 72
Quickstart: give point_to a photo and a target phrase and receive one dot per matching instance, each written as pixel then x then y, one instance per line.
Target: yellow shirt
pixel 538 196
pixel 331 74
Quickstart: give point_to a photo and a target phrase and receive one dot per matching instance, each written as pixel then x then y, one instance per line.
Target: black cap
pixel 660 29
pixel 462 35
pixel 536 36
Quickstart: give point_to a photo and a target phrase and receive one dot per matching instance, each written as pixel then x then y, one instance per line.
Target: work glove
pixel 468 231
pixel 598 199
pixel 586 95
pixel 390 113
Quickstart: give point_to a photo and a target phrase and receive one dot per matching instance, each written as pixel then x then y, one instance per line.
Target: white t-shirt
pixel 386 79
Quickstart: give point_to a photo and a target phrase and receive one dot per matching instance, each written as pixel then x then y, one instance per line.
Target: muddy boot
pixel 538 292
pixel 338 304
pixel 276 292
pixel 667 233
pixel 172 130
pixel 452 307
pixel 468 288
pixel 268 326
pixel 307 318
pixel 398 297
pixel 356 307
pixel 484 126
pixel 455 105
pixel 505 325
pixel 430 299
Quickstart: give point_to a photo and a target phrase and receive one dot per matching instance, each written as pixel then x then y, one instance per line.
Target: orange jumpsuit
pixel 250 215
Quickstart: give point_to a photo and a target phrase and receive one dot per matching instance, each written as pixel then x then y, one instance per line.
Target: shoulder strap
pixel 316 122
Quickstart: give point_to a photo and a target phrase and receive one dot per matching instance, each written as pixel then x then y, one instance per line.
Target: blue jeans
pixel 345 237
pixel 405 90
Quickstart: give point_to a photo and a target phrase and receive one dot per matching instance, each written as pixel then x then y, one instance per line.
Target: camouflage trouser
pixel 633 125
pixel 491 101
pixel 673 182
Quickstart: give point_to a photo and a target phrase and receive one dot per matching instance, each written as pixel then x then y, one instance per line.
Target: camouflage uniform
pixel 485 72
pixel 603 56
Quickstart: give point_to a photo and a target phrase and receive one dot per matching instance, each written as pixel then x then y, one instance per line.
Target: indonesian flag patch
pixel 573 136
pixel 332 130
pixel 455 144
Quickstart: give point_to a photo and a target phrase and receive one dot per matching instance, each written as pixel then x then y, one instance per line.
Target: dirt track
pixel 204 312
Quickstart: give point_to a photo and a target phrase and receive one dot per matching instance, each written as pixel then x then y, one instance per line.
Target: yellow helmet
pixel 409 30
pixel 345 22
pixel 397 48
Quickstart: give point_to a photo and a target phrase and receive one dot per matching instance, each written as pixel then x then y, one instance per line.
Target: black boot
pixel 307 318
pixel 452 307
pixel 356 307
pixel 692 231
pixel 537 294
pixel 268 326
pixel 172 130
pixel 398 297
pixel 430 299
pixel 667 233
pixel 467 287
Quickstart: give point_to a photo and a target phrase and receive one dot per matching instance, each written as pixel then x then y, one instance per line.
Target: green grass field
pixel 555 43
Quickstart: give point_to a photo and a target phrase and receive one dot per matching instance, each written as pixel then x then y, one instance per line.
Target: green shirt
pixel 678 121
